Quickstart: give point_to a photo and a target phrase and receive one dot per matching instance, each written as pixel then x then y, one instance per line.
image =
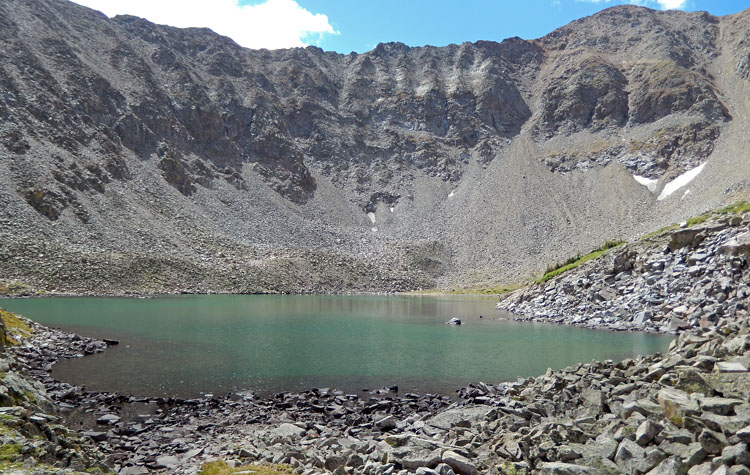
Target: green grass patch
pixel 734 208
pixel 220 467
pixel 652 234
pixel 9 452
pixel 573 262
pixel 15 327
pixel 699 219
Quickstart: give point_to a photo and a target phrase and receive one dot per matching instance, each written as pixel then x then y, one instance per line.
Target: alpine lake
pixel 185 346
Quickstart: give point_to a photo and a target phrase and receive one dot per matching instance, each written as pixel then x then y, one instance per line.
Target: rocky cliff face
pixel 186 162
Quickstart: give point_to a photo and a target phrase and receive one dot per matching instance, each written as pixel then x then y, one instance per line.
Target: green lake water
pixel 185 345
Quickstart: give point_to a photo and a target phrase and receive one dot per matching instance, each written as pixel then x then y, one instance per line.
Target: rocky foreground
pixel 687 411
pixel 33 437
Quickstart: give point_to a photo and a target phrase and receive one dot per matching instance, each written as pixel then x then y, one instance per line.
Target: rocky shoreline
pixel 688 409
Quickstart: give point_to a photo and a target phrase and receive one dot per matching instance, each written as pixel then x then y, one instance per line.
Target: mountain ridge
pixel 174 147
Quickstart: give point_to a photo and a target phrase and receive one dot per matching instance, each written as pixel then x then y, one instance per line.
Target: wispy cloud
pixel 271 24
pixel 663 4
pixel 672 4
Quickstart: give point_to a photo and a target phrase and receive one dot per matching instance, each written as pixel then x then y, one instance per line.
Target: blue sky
pixel 417 22
pixel 356 25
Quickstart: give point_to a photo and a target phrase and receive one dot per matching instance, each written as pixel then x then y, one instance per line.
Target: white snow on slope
pixel 680 181
pixel 649 183
pixel 372 217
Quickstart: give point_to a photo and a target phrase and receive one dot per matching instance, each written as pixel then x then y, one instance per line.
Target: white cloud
pixel 672 4
pixel 664 4
pixel 271 24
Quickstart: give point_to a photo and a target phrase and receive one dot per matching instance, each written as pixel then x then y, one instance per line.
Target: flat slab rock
pixel 731 367
pixel 559 468
pixel 460 417
pixel 288 431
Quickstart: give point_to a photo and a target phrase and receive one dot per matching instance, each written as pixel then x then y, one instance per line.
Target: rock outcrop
pixel 689 277
pixel 33 436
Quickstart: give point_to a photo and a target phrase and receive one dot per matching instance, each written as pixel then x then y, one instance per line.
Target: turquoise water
pixel 184 345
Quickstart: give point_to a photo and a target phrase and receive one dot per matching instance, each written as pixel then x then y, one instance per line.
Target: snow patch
pixel 374 229
pixel 372 217
pixel 680 181
pixel 649 183
pixel 450 195
pixel 391 209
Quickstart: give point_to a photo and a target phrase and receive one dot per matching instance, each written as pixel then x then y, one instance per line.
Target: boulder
pixel 731 367
pixel 413 458
pixel 744 434
pixel 461 417
pixel 459 463
pixel 108 419
pixel 168 461
pixel 719 405
pixel 736 246
pixel 288 431
pixel 670 466
pixel 676 405
pixel 444 469
pixel 646 432
pixel 559 468
pixel 628 454
pixel 683 238
pixel 702 469
pixel 712 442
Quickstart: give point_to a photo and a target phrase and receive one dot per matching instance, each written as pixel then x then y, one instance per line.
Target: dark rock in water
pixel 110 342
pixel 454 321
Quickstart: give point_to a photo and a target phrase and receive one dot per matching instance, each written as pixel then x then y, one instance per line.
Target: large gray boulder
pixel 559 468
pixel 287 431
pixel 462 417
pixel 737 246
pixel 459 463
